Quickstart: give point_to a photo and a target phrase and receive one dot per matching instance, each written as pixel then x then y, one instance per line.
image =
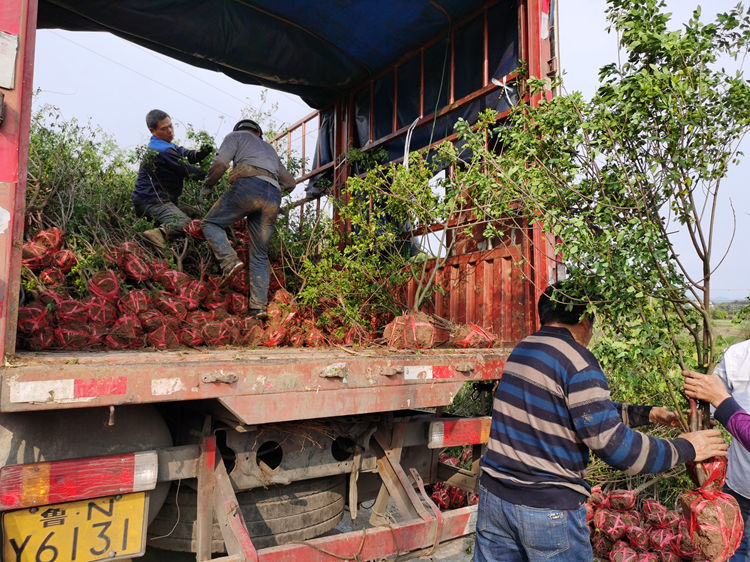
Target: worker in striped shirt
pixel 551 408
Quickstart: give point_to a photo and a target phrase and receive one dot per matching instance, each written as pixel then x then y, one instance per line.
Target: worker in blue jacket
pixel 159 185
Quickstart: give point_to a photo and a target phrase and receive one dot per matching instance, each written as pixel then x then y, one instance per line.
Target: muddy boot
pixel 259 313
pixel 156 237
pixel 229 272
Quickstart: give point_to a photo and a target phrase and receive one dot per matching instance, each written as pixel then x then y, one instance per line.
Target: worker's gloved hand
pixel 204 151
pixel 205 192
pixel 199 175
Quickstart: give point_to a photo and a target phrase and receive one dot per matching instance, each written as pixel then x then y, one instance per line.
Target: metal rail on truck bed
pixel 257 386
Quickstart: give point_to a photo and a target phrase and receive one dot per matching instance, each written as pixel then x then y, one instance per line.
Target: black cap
pixel 248 125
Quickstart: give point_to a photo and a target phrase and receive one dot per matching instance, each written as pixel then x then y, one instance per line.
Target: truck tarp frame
pixel 313 49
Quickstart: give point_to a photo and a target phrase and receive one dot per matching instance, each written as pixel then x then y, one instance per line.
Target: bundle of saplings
pixel 708 525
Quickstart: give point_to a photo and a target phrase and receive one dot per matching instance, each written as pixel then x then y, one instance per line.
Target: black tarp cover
pixel 316 49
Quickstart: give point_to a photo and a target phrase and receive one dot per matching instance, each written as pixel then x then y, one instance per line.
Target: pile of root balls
pixel 140 302
pixel 708 527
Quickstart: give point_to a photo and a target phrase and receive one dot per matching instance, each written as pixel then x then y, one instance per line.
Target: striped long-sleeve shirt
pixel 551 408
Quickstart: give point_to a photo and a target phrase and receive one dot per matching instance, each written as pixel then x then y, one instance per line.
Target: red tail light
pixel 465 431
pixel 27 485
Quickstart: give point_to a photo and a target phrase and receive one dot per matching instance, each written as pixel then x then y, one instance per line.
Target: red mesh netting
pixel 472 336
pixel 52 277
pixel 654 513
pixel 598 498
pixel 218 333
pixel 651 557
pixel 638 538
pixel 410 331
pixel 135 302
pixel 51 298
pixel 41 340
pixel 296 336
pixel 101 311
pixel 212 282
pixel 73 338
pixel 119 254
pixel 170 306
pixel 191 336
pixel 712 471
pixel 151 319
pixel 219 313
pixel 282 296
pixel 106 285
pixel 35 256
pixel 622 500
pixel 71 311
pixel 621 552
pixel 64 260
pixel 682 544
pixel 714 520
pixel 357 335
pixel 280 319
pixel 157 267
pixel 614 524
pixel 216 298
pixel 661 539
pixel 315 338
pixel 601 544
pixel 133 248
pixel 241 281
pixel 194 229
pixel 172 280
pixel 199 318
pixel 252 335
pixel 126 333
pixel 163 338
pixel 51 239
pixel 440 495
pixel 237 303
pixel 193 294
pixel 33 318
pixel 135 268
pixel 97 332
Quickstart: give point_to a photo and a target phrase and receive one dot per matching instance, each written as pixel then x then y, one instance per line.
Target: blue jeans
pixel 259 201
pixel 172 217
pixel 742 551
pixel 508 532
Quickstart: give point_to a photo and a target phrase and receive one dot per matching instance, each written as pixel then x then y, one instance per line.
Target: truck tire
pixel 276 515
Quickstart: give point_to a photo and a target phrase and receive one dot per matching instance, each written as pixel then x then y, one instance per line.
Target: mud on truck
pixel 252 453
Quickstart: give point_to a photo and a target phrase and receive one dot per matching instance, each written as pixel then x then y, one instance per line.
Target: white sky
pixel 113 83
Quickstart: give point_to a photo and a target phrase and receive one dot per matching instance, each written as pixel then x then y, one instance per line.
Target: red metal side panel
pixel 18 20
pixel 491 289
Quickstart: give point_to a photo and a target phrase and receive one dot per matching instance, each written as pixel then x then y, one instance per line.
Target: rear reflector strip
pixel 27 485
pixel 465 431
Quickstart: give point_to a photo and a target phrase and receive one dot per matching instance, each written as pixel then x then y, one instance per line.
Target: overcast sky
pixel 114 83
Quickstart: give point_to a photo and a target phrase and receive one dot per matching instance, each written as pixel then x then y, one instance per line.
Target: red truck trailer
pixel 248 454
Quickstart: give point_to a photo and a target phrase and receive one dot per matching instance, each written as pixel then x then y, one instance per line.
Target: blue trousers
pixel 509 532
pixel 742 551
pixel 173 218
pixel 259 201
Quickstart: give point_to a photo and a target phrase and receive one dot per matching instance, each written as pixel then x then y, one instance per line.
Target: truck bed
pixel 255 385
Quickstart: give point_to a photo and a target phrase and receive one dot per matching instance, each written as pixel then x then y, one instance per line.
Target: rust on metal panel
pixel 376 543
pixel 17 20
pixel 385 379
pixel 267 408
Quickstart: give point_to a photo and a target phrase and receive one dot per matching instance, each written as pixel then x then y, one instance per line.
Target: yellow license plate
pixel 101 529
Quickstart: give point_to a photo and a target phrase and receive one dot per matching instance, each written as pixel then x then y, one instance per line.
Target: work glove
pixel 204 151
pixel 204 193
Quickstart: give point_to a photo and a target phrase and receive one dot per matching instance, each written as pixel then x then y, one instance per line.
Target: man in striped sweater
pixel 552 407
